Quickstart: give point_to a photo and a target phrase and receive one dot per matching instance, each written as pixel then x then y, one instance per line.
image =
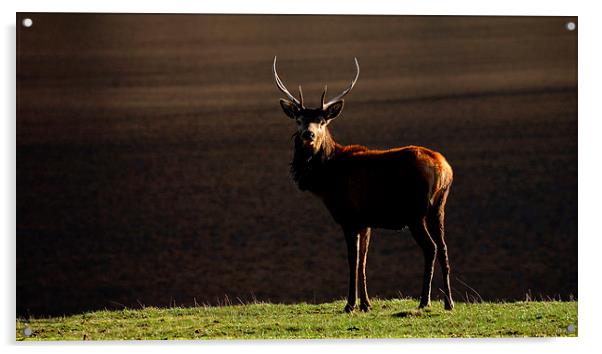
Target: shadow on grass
pixel 416 313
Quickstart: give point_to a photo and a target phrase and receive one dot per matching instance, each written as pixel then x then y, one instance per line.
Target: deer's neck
pixel 307 167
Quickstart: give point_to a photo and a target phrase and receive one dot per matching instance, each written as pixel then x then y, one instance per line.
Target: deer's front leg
pixel 363 255
pixel 352 240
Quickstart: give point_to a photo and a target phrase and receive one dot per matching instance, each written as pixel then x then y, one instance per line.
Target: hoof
pixel 365 307
pixel 349 308
pixel 449 305
pixel 424 305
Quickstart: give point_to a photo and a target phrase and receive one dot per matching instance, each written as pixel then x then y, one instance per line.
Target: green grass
pixel 388 319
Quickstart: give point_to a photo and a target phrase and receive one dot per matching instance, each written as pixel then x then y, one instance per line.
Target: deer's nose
pixel 308 135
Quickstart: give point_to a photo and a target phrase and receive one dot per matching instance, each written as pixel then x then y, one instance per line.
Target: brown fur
pixel 390 189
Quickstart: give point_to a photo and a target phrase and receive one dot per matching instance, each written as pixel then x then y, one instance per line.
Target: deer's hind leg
pixel 436 221
pixel 363 255
pixel 429 249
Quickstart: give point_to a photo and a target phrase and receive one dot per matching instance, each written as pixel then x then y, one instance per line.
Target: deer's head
pixel 312 122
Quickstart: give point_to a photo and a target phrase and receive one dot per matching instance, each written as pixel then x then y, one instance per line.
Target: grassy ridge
pixel 388 319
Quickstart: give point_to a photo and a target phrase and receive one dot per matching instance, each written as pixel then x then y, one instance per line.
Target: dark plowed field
pixel 152 155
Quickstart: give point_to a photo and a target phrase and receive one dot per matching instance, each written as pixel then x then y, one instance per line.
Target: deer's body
pixel 364 189
pixel 375 188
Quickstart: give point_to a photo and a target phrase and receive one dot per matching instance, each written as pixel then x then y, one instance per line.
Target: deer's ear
pixel 333 110
pixel 290 108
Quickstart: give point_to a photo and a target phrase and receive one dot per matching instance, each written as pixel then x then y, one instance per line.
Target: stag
pixel 364 189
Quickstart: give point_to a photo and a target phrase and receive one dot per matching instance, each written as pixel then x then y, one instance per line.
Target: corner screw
pixel 27 332
pixel 27 22
pixel 571 26
pixel 570 328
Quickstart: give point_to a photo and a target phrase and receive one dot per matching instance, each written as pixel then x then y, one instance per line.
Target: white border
pixel 376 7
pixel 589 165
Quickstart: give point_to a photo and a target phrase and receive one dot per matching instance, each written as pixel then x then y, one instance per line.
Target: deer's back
pixel 384 188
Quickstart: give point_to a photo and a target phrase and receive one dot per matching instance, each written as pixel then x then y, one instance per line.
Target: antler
pixel 300 96
pixel 323 95
pixel 347 90
pixel 284 90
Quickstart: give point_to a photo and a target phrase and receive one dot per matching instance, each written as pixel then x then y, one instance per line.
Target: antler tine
pixel 300 96
pixel 323 95
pixel 282 87
pixel 348 89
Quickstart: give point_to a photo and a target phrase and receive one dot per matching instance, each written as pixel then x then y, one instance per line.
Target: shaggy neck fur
pixel 306 167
